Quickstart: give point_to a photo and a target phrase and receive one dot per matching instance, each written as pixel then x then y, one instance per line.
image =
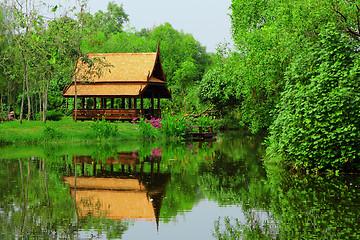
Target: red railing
pixel 113 114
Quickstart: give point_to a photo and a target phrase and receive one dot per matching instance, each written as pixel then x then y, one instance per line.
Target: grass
pixel 65 131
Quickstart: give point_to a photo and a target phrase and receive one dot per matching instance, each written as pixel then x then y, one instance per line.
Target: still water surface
pixel 169 190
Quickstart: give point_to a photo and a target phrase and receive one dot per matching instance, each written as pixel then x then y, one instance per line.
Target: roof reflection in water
pixel 129 193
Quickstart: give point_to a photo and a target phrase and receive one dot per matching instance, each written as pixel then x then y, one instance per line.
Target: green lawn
pixel 65 131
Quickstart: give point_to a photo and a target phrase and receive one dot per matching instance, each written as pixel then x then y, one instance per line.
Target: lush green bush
pixel 318 117
pixel 104 129
pixel 175 125
pixel 51 133
pixel 149 129
pixel 54 115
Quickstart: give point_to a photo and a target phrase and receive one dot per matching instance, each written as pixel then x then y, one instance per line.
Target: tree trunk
pixel 28 98
pixel 75 101
pixel 22 103
pixel 40 105
pixel 46 91
pixel 9 97
pixel 24 65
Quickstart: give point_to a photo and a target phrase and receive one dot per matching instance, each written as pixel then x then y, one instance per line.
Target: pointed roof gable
pixel 133 67
pixel 129 75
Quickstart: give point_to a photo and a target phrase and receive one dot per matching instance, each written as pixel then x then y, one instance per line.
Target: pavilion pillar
pixel 135 103
pixel 142 104
pixel 82 103
pixel 105 103
pixel 158 106
pixel 152 100
pixel 112 103
pixel 101 102
pixel 94 103
pixel 123 103
pixel 130 103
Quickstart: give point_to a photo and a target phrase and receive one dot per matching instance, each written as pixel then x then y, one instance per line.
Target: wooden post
pixel 158 103
pixel 152 100
pixel 129 103
pixel 101 102
pixel 82 103
pixel 112 103
pixel 94 168
pixel 142 104
pixel 123 103
pixel 94 103
pixel 135 103
pixel 105 103
pixel 82 169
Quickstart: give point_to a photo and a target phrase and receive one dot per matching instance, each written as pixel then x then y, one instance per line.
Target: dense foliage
pixel 317 122
pixel 286 73
pixel 38 55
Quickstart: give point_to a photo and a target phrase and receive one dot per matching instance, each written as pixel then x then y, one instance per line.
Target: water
pixel 167 190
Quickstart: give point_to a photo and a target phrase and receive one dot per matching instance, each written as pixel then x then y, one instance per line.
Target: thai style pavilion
pixel 131 77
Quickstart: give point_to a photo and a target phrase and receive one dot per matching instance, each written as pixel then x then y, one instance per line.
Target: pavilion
pixel 130 77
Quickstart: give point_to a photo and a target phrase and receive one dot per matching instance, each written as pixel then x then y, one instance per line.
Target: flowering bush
pixel 156 123
pixel 4 117
pixel 149 128
pixel 175 125
pixel 170 125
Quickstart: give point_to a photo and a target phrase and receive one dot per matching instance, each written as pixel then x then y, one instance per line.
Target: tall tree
pixel 109 22
pixel 317 123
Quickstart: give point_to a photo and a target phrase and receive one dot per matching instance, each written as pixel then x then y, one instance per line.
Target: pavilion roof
pixel 125 75
pixel 126 67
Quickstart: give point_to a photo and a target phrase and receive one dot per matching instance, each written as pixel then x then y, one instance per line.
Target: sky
pixel 207 20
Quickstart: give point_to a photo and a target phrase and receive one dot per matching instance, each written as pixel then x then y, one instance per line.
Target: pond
pixel 169 190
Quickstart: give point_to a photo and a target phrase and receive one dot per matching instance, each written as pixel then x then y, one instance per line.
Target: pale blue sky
pixel 207 20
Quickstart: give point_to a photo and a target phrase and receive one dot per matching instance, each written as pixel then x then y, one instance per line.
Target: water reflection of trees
pixel 278 205
pixel 33 202
pixel 299 207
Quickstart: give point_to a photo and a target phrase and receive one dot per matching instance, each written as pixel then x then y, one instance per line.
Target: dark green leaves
pixel 317 122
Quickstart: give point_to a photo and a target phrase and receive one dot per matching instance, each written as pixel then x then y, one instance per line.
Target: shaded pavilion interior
pixel 129 193
pixel 119 92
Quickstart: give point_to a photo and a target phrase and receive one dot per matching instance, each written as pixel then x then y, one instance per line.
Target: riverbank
pixel 65 131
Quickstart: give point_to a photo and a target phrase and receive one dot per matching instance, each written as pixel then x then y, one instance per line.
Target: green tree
pixel 186 77
pixel 109 22
pixel 183 58
pixel 317 124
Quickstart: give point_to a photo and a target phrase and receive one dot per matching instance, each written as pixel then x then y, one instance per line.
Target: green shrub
pixel 148 131
pixel 175 125
pixel 51 133
pixel 318 117
pixel 5 117
pixel 53 115
pixel 104 129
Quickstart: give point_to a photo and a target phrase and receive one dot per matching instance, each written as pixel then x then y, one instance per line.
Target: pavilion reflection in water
pixel 129 193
